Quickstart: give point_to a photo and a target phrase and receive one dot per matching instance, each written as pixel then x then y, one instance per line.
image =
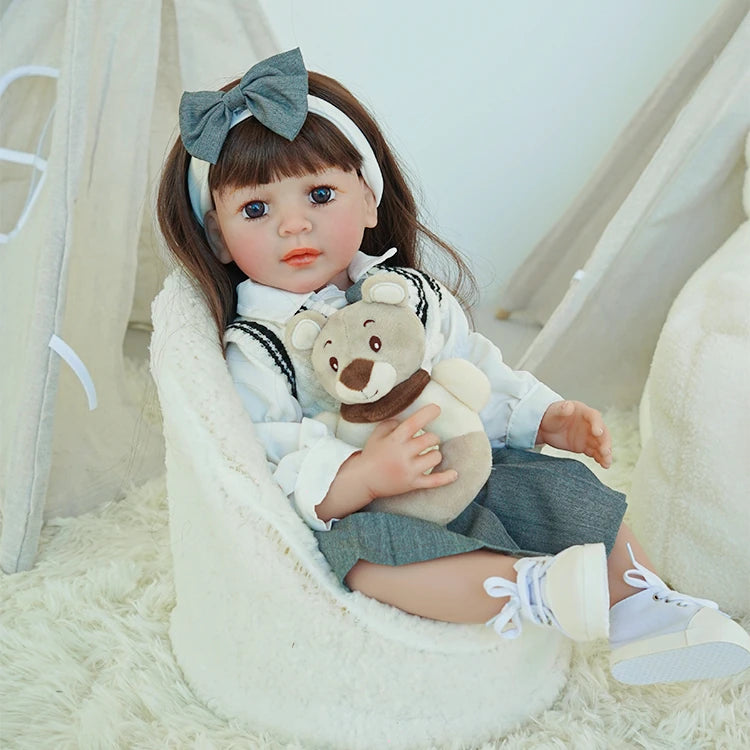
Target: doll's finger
pixel 597 423
pixel 603 456
pixel 605 441
pixel 415 422
pixel 428 460
pixel 436 479
pixel 594 446
pixel 565 408
pixel 560 412
pixel 600 443
pixel 425 441
pixel 601 448
pixel 386 427
pixel 604 461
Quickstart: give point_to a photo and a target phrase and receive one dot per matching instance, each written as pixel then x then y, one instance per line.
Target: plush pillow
pixel 690 501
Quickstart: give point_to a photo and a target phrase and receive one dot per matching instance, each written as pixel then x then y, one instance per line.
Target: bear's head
pixel 362 351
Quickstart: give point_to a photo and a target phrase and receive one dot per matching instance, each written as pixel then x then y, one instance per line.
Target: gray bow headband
pixel 274 92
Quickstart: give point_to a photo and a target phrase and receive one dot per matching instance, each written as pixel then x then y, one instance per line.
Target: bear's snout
pixel 356 375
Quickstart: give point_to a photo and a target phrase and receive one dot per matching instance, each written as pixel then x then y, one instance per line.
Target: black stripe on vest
pixel 273 346
pixel 433 285
pixel 418 279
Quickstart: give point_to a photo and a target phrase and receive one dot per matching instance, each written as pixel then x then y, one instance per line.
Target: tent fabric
pixel 33 276
pixel 87 261
pixel 261 623
pixel 600 325
pixel 69 272
pixel 533 292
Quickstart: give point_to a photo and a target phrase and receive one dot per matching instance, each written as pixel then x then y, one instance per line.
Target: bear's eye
pixel 334 364
pixel 375 344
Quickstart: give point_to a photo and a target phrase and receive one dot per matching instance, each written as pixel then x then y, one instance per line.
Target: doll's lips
pixel 301 256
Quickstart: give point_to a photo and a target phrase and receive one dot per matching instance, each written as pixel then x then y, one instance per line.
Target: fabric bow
pixel 274 91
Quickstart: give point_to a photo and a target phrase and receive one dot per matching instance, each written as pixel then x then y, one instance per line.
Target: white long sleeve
pixel 303 455
pixel 518 400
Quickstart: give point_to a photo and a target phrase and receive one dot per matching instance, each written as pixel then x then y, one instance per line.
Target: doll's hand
pixel 573 426
pixel 391 463
pixel 397 455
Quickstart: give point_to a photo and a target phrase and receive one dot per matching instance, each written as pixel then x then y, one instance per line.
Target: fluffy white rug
pixel 85 660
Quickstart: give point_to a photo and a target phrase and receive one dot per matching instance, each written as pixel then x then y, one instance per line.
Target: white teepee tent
pixel 665 198
pixel 89 91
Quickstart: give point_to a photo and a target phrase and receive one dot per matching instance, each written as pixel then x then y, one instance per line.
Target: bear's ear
pixel 302 330
pixel 386 287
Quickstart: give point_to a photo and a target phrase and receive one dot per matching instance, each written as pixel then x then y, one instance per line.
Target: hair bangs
pixel 254 155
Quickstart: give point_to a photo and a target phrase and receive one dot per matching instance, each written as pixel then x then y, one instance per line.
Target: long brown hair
pixel 253 155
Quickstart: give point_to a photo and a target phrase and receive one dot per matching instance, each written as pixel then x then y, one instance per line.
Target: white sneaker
pixel 660 635
pixel 568 591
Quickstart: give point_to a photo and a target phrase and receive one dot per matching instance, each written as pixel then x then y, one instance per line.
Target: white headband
pixel 197 176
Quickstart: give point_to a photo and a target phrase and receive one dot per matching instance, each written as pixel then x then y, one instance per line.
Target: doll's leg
pixel 619 562
pixel 567 591
pixel 446 588
pixel 657 635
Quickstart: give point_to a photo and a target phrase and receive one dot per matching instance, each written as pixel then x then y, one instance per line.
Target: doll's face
pixel 296 234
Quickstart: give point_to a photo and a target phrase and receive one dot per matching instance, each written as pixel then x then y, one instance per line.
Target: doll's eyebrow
pixel 327 342
pixel 366 322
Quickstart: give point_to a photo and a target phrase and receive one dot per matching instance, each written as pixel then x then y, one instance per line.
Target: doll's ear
pixel 215 237
pixel 386 287
pixel 302 330
pixel 371 206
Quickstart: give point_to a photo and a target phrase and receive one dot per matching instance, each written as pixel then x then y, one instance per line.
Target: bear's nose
pixel 356 375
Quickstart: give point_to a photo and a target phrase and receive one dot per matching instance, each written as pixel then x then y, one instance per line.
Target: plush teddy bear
pixel 368 356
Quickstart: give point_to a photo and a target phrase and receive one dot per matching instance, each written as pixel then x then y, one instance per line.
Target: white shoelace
pixel 524 599
pixel 642 578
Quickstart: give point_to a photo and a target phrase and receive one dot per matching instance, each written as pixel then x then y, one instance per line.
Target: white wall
pixel 500 110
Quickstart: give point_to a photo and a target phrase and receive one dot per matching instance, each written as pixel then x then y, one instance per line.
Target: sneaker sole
pixel 596 588
pixel 680 657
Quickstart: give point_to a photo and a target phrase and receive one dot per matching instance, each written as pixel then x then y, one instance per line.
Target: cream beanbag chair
pixel 690 500
pixel 263 631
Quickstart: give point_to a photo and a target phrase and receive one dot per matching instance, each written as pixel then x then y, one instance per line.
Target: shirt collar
pixel 261 302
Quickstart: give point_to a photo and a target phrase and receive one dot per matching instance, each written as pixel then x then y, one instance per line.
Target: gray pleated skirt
pixel 532 504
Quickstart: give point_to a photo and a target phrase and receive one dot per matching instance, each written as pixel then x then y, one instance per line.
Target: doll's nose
pixel 294 222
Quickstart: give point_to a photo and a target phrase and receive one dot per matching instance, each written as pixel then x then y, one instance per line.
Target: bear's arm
pixel 464 380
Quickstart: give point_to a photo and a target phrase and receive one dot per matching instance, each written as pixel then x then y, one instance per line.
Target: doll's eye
pixel 322 194
pixel 254 209
pixel 334 364
pixel 375 344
